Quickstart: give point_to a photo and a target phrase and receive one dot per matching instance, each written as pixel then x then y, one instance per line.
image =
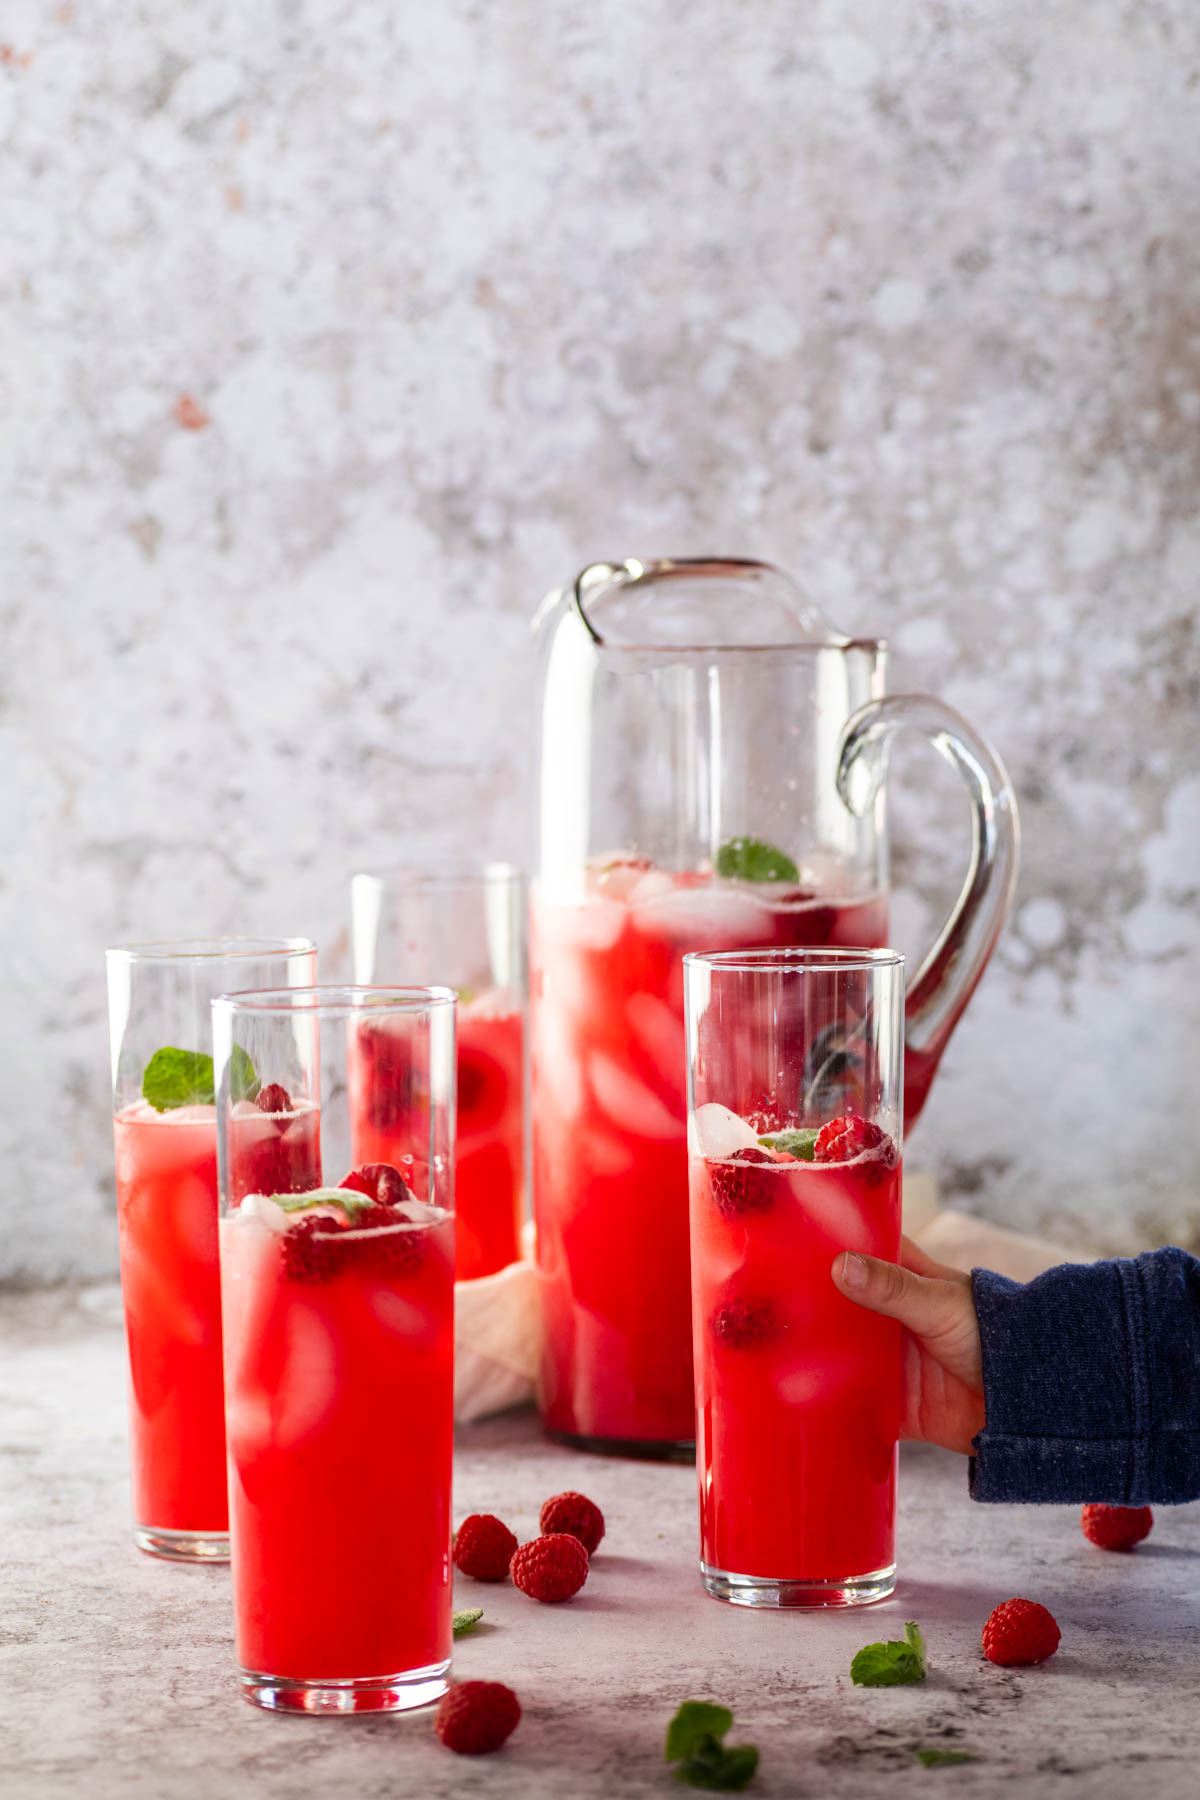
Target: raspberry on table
pixel 575 1514
pixel 1116 1527
pixel 737 1187
pixel 550 1568
pixel 475 1717
pixel 1019 1632
pixel 841 1140
pixel 484 1547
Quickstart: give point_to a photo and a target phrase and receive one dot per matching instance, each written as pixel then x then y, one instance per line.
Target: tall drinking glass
pixel 165 1137
pixel 338 1308
pixel 466 929
pixel 795 1107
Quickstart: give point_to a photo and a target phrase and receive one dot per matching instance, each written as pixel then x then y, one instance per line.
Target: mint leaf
pixel 467 1621
pixel 243 1080
pixel 800 1142
pixel 695 1719
pixel 178 1078
pixel 752 859
pixel 719 1770
pixel 185 1078
pixel 892 1664
pixel 350 1202
pixel 694 1742
pixel 944 1759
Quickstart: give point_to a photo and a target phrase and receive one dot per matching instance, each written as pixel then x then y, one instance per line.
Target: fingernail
pixel 855 1272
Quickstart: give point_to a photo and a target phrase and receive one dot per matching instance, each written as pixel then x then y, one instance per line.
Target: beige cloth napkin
pixel 496 1318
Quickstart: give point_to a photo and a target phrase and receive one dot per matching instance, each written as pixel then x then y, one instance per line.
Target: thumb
pixel 928 1306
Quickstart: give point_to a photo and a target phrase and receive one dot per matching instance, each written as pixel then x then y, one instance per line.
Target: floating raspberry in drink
pixel 312 1250
pixel 746 1324
pixel 484 1547
pixel 575 1514
pixel 1116 1527
pixel 550 1568
pixel 274 1098
pixel 737 1188
pixel 378 1181
pixel 841 1140
pixel 476 1717
pixel 1019 1632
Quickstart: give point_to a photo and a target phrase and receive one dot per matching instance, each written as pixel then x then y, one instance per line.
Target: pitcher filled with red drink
pixel 711 767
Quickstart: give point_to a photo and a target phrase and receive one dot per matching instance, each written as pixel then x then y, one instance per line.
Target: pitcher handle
pixel 938 992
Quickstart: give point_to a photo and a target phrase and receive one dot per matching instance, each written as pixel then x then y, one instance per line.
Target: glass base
pixel 368 1694
pixel 761 1590
pixel 676 1450
pixel 183 1546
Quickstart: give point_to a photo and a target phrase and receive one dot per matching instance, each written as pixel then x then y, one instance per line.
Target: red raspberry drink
pixel 797 1389
pixel 338 1311
pixel 339 1371
pixel 609 1151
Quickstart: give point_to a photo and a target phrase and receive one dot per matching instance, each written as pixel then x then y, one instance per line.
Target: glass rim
pixel 805 958
pixel 204 950
pixel 496 873
pixel 797 646
pixel 340 1001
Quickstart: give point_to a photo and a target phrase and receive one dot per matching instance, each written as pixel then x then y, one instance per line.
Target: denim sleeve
pixel 1091 1383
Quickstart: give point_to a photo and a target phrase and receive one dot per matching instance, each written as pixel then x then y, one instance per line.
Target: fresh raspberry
pixel 735 1190
pixel 484 1547
pixel 474 1717
pixel 1020 1631
pixel 841 1140
pixel 743 1324
pixel 378 1181
pixel 311 1250
pixel 550 1568
pixel 575 1514
pixel 1116 1527
pixel 274 1098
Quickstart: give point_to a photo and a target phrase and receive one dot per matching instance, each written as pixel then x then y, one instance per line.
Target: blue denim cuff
pixel 1091 1378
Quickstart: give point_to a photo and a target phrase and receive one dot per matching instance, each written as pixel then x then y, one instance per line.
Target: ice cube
pixel 716 1132
pixel 189 1115
pixel 257 1209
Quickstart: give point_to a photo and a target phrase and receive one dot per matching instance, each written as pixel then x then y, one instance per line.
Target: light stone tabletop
pixel 116 1672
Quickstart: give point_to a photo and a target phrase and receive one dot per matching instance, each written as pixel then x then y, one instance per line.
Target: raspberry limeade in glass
pixel 710 778
pixel 466 929
pixel 165 1139
pixel 797 1389
pixel 339 1328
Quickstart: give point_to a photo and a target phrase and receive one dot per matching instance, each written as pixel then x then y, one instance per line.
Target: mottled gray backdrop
pixel 333 334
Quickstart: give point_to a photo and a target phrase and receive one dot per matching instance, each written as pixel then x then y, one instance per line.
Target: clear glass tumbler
pixel 165 1137
pixel 467 929
pixel 795 1106
pixel 338 1305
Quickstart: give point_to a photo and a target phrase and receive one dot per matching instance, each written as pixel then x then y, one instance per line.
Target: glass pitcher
pixel 711 777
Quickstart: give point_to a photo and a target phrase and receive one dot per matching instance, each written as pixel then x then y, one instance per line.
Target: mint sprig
pixel 348 1200
pixel 465 1622
pixel 175 1077
pixel 694 1742
pixel 891 1664
pixel 944 1759
pixel 753 859
pixel 799 1142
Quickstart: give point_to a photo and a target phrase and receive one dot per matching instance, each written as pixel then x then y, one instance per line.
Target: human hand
pixel 943 1377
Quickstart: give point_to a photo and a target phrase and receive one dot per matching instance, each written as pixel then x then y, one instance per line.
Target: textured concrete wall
pixel 332 336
